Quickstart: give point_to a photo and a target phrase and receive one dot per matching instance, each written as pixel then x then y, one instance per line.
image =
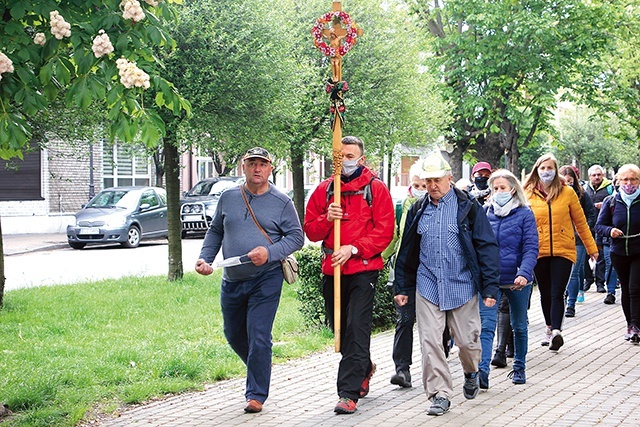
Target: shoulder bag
pixel 289 264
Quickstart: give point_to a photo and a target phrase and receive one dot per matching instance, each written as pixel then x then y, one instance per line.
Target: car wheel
pixel 76 245
pixel 184 234
pixel 133 238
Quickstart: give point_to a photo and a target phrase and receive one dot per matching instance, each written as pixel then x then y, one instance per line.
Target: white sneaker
pixel 556 341
pixel 547 337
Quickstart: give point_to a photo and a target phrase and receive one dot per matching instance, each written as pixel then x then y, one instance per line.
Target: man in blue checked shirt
pixel 447 256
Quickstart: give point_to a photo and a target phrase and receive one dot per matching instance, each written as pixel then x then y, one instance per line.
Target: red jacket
pixel 368 228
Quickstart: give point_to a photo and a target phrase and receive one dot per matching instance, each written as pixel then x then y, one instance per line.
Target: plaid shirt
pixel 443 276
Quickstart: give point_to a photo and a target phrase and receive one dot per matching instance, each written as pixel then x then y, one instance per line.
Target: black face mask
pixel 481 182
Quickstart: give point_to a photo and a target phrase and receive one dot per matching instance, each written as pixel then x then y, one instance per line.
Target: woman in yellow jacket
pixel 557 210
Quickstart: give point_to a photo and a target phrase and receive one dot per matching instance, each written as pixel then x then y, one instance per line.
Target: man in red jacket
pixel 367 219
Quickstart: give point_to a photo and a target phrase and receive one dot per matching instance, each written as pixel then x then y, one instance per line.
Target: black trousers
pixel 628 269
pixel 552 274
pixel 356 308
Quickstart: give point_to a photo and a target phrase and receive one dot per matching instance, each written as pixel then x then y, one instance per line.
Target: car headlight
pixel 116 221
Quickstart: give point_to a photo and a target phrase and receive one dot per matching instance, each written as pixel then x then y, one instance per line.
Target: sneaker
pixel 253 406
pixel 547 337
pixel 635 335
pixel 471 385
pixel 570 312
pixel 610 299
pixel 627 336
pixel 580 296
pixel 586 286
pixel 364 388
pixel 345 406
pixel 402 378
pixel 483 379
pixel 439 406
pixel 600 289
pixel 517 376
pixel 556 341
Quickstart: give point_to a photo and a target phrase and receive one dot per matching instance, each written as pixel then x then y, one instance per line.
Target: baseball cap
pixel 481 165
pixel 257 152
pixel 434 166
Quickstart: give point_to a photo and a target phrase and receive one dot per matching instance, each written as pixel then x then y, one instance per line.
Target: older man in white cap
pixel 447 256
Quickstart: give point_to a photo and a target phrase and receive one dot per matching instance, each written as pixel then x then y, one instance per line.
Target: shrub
pixel 309 292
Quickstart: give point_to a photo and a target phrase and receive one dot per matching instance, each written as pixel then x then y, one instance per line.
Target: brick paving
pixel 593 380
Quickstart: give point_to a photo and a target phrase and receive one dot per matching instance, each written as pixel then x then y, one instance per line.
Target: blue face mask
pixel 503 198
pixel 547 176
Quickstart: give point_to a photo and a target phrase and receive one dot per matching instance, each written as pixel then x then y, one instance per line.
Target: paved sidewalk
pixel 593 380
pixel 15 244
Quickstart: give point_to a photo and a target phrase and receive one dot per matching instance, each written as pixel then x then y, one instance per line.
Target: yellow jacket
pixel 555 224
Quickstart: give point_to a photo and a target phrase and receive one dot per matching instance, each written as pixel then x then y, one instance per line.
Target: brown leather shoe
pixel 253 406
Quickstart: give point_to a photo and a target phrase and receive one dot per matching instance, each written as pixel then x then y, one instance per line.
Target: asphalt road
pixel 64 265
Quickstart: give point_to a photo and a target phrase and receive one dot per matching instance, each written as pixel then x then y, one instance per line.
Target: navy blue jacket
pixel 517 237
pixel 615 213
pixel 476 238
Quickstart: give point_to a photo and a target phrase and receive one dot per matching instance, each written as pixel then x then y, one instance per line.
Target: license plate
pixel 90 230
pixel 192 218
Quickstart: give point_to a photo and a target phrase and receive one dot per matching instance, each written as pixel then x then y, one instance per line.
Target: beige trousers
pixel 464 324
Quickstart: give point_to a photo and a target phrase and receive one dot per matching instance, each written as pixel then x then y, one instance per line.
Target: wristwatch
pixel 354 250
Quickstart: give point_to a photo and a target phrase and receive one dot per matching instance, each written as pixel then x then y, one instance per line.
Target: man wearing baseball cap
pixel 480 175
pixel 447 256
pixel 251 288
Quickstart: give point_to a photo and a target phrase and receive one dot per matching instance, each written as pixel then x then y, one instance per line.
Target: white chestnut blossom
pixel 131 9
pixel 6 65
pixel 131 75
pixel 59 27
pixel 40 39
pixel 101 44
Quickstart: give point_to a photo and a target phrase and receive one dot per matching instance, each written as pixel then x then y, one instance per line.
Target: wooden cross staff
pixel 341 35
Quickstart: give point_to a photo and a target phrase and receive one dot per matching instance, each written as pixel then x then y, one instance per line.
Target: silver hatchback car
pixel 124 215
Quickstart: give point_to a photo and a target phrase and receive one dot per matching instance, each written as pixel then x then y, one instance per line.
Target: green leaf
pixel 18 10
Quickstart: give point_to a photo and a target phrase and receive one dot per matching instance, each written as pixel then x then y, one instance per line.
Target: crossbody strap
pixel 246 202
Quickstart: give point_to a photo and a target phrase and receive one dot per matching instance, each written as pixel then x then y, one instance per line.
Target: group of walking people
pixel 463 263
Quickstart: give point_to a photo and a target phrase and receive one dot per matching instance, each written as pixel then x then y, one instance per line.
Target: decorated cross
pixel 335 33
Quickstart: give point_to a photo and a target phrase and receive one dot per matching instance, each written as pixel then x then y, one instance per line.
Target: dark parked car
pixel 124 215
pixel 199 204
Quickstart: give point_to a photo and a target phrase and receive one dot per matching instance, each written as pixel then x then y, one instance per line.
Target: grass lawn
pixel 68 352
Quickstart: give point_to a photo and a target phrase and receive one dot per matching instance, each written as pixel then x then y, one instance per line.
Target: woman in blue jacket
pixel 514 226
pixel 620 219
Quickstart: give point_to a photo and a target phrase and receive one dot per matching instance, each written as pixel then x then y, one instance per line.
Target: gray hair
pixel 629 167
pixel 513 182
pixel 593 168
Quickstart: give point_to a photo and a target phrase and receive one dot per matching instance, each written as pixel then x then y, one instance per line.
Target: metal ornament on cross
pixel 335 33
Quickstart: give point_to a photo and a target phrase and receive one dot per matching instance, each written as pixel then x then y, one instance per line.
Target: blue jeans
pixel 577 276
pixel 248 310
pixel 518 304
pixel 611 277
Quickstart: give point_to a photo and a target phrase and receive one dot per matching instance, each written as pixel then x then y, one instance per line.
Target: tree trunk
pixel 172 174
pixel 489 149
pixel 2 278
pixel 297 172
pixel 455 161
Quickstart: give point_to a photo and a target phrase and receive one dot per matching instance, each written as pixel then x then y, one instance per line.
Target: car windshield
pixel 124 199
pixel 220 186
pixel 210 188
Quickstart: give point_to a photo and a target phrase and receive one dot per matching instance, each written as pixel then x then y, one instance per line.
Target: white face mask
pixel 350 166
pixel 418 193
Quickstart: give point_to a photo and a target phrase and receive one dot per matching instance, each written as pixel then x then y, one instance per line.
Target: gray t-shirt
pixel 234 230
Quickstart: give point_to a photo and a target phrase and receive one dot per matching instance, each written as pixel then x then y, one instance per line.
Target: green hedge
pixel 309 292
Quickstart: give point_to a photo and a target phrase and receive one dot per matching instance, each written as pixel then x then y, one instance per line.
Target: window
pixel 124 165
pixel 21 179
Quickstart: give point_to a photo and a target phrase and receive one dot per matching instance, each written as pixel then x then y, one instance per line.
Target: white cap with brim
pixel 434 166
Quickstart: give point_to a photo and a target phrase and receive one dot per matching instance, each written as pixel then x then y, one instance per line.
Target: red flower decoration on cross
pixel 349 40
